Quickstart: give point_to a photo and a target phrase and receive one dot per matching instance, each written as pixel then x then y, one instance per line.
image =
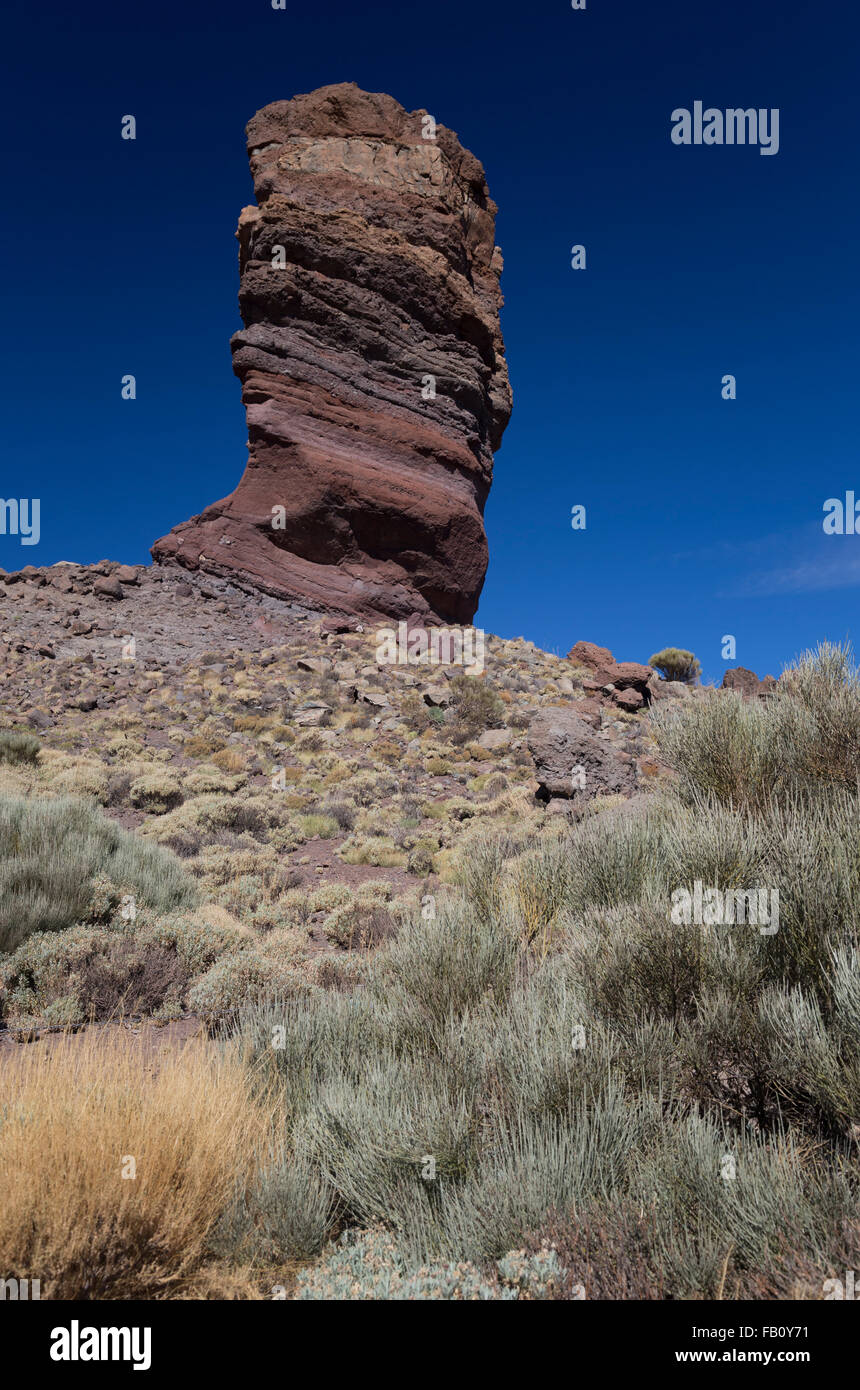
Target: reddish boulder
pixel 630 700
pixel 589 711
pixel 596 659
pixel 748 683
pixel 371 364
pixel 630 675
pixel 605 670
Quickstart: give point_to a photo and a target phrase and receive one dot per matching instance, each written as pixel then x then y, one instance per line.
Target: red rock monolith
pixel 371 362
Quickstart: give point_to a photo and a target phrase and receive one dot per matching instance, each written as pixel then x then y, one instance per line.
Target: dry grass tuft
pixel 73 1116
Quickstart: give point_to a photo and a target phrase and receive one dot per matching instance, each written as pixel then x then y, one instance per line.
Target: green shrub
pixel 197 940
pixel 89 973
pixel 368 1265
pixel 721 746
pixel 461 1096
pixel 816 716
pixel 142 966
pixel 373 849
pixel 359 925
pixel 372 1140
pixel 156 792
pixel 676 664
pixel 422 858
pixel 545 1085
pixel 341 812
pixel 449 963
pixel 18 747
pixel 475 707
pixel 286 1214
pixel 316 826
pixel 234 981
pixel 806 735
pixel 51 852
pixel 480 871
pixel 256 816
pixel 300 1042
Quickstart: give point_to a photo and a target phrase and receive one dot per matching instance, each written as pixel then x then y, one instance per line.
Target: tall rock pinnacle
pixel 371 363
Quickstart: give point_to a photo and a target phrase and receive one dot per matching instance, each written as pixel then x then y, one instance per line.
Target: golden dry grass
pixel 229 760
pixel 72 1116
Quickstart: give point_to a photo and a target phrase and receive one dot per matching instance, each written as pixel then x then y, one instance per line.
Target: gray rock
pixel 574 762
pixel 319 664
pixel 495 738
pixel 312 714
pixel 437 696
pixel 108 587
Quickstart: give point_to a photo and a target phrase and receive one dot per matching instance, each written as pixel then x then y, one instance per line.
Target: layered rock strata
pixel 371 363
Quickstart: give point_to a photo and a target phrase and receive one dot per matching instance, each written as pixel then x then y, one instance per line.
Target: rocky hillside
pixel 521 999
pixel 309 791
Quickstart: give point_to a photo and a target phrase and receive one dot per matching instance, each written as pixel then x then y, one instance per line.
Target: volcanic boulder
pixel 371 364
pixel 597 660
pixel 748 683
pixel 629 682
pixel 573 762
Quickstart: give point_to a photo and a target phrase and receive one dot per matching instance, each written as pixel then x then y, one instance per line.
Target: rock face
pixel 748 683
pixel 630 684
pixel 631 675
pixel 573 762
pixel 369 279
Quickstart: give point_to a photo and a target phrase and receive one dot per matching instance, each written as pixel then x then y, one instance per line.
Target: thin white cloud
pixel 839 569
pixel 801 560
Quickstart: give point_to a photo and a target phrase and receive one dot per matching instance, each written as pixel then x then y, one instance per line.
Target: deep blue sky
pixel 704 516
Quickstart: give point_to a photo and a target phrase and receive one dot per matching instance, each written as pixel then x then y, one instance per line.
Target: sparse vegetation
pixel 480 1058
pixel 475 706
pixel 629 1059
pixel 803 739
